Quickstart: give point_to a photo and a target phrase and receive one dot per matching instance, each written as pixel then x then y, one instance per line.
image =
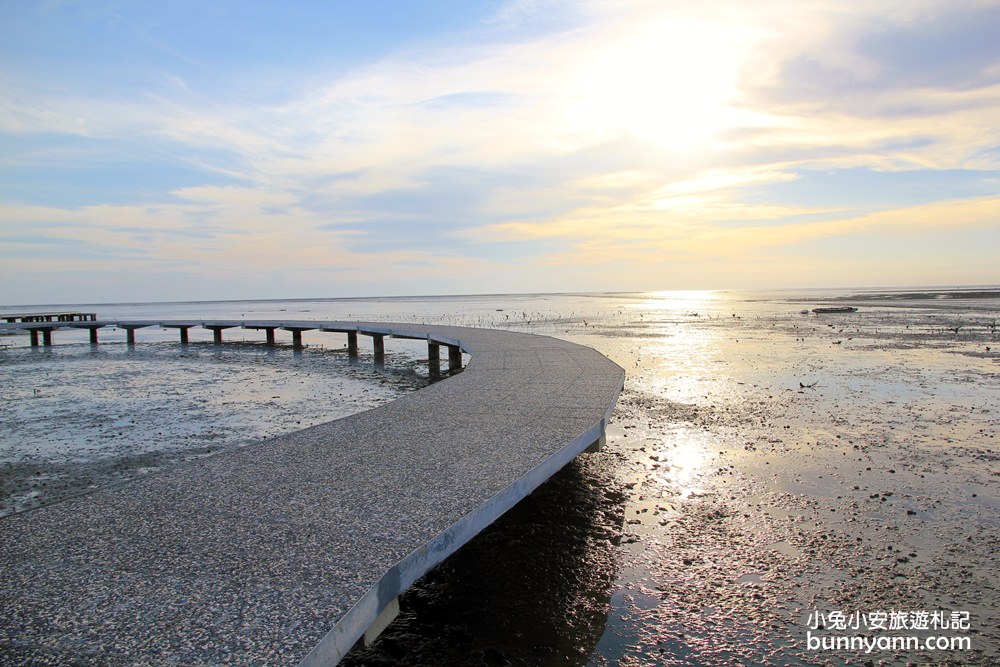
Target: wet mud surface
pixel 767 465
pixel 76 418
pixel 762 465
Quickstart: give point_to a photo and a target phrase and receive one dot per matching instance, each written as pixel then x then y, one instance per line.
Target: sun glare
pixel 687 458
pixel 685 455
pixel 669 83
pixel 679 300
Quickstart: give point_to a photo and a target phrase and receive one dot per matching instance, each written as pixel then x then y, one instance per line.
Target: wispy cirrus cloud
pixel 542 134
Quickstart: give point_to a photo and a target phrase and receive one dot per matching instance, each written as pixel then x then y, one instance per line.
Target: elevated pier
pixel 55 316
pixel 292 550
pixel 40 330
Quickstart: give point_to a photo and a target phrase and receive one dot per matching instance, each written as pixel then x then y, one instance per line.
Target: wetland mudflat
pixel 762 465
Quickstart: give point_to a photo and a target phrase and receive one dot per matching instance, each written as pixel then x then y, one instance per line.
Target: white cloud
pixel 639 122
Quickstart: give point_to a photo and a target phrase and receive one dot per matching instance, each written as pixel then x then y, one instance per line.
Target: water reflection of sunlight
pixel 684 342
pixel 687 458
pixel 683 300
pixel 683 458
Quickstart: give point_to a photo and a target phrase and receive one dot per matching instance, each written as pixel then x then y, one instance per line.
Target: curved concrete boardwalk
pixel 284 552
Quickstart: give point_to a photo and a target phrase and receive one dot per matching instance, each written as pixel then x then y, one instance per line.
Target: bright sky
pixel 184 150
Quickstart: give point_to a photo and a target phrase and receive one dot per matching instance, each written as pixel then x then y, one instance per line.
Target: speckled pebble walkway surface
pixel 284 552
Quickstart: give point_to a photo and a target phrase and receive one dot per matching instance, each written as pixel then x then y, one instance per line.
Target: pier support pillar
pixel 434 359
pixel 296 339
pixel 270 337
pixel 130 335
pixel 184 335
pixel 217 336
pixel 454 358
pixel 598 445
pixel 47 338
pixel 382 621
pixel 34 338
pixel 352 343
pixel 378 342
pixel 93 335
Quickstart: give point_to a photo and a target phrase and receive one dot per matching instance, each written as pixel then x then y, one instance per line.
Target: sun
pixel 670 82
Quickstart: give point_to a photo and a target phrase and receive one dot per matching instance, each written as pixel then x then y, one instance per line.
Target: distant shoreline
pixel 865 292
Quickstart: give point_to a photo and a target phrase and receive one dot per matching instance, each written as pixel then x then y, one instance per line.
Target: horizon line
pixel 393 297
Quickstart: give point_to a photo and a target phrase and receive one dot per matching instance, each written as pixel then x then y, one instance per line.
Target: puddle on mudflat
pixel 784 548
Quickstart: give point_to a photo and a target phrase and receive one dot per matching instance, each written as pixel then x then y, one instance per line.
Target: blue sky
pixel 199 150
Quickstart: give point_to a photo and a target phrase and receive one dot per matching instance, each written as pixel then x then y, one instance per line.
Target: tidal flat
pixel 814 464
pixel 763 464
pixel 78 417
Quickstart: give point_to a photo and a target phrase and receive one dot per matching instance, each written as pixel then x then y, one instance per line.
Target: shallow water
pixel 761 464
pixel 76 417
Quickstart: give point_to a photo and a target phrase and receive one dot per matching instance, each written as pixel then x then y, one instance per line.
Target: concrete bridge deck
pixel 288 551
